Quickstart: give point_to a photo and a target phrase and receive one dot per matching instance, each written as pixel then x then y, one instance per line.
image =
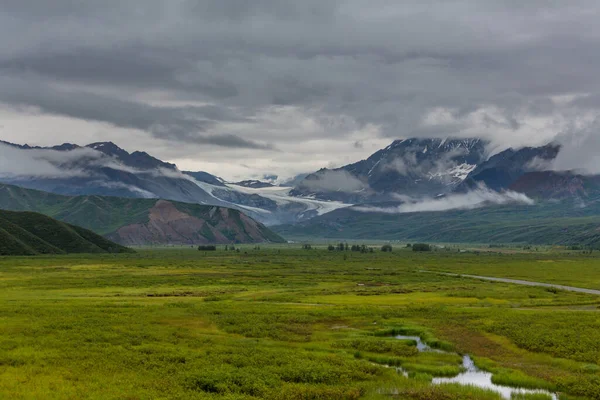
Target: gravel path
pixel 521 282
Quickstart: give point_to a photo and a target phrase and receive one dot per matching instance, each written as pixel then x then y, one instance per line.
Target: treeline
pixel 229 247
pixel 209 247
pixel 386 248
pixel 357 248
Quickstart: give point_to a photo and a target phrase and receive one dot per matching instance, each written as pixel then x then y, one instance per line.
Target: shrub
pixel 210 247
pixel 386 248
pixel 421 247
pixel 361 248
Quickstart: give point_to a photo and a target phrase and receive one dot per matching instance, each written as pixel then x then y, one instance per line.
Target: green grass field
pixel 286 323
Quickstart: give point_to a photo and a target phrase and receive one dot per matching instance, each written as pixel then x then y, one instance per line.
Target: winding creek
pixel 473 376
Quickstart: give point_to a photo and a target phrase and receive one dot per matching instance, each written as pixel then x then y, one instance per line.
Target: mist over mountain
pixel 106 169
pixel 411 167
pixel 503 169
pixel 131 221
pixel 412 171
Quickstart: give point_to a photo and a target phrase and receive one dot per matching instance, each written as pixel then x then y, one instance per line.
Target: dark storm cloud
pixel 190 123
pixel 492 65
pixel 229 140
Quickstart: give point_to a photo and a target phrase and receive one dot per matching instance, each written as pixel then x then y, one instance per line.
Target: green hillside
pixel 109 216
pixel 29 233
pixel 544 223
pixel 102 215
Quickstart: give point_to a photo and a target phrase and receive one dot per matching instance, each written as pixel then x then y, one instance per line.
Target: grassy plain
pixel 286 323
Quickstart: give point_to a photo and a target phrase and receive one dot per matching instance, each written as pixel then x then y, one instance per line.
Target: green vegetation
pixel 280 322
pixel 209 247
pixel 535 396
pixel 106 215
pixel 387 248
pixel 27 233
pixel 566 223
pixel 421 247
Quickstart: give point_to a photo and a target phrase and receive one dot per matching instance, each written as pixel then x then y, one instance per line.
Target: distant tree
pixel 408 245
pixel 386 248
pixel 421 247
pixel 331 247
pixel 307 247
pixel 341 247
pixel 207 247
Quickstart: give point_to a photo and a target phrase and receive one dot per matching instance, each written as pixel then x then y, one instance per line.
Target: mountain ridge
pixel 552 223
pixel 105 169
pixel 410 168
pixel 109 216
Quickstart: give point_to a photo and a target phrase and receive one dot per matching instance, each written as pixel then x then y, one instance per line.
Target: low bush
pixel 421 247
pixel 386 248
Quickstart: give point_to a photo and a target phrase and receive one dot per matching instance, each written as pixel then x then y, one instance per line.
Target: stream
pixel 473 376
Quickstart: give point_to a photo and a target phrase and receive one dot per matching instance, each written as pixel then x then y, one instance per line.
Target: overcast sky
pixel 242 88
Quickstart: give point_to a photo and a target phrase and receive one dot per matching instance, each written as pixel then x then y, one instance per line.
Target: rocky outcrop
pixel 170 223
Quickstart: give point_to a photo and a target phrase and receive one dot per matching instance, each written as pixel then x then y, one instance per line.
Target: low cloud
pixel 580 151
pixel 477 198
pixel 15 162
pixel 334 181
pixel 401 165
pixel 133 189
pixel 539 164
pixel 412 164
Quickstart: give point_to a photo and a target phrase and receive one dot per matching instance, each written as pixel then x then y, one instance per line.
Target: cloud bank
pixel 287 86
pixel 334 181
pixel 15 162
pixel 477 198
pixel 580 152
pixel 82 162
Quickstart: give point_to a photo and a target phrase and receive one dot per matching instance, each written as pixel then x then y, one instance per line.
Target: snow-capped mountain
pixel 411 167
pixel 106 169
pixel 503 169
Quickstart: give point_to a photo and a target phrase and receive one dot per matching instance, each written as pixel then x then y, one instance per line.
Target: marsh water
pixel 473 376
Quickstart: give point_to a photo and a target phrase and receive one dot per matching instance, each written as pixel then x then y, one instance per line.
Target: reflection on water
pixel 421 346
pixel 473 376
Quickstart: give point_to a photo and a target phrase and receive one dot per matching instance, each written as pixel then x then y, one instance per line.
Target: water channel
pixel 473 376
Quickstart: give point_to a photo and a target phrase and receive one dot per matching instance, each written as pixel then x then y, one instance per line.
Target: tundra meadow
pixel 286 322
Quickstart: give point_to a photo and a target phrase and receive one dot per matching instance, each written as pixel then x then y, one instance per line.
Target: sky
pixel 243 89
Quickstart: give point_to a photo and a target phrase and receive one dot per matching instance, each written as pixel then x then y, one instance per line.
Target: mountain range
pixel 566 222
pixel 405 172
pixel 107 170
pixel 412 167
pixel 131 221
